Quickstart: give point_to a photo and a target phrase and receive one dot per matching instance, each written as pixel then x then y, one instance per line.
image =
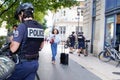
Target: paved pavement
pixel 99 68
pixel 79 68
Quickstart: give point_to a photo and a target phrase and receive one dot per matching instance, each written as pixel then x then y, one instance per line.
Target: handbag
pixel 51 41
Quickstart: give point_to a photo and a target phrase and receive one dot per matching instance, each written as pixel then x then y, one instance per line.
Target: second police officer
pixel 81 44
pixel 27 40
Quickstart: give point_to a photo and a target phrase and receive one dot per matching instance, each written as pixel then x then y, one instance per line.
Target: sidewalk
pixel 99 68
pixel 77 68
pixel 73 71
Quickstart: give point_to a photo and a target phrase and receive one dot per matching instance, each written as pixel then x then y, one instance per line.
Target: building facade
pixel 102 21
pixel 98 19
pixel 94 22
pixel 112 25
pixel 68 20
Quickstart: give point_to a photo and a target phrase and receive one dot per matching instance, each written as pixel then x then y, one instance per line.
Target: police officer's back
pixel 27 40
pixel 81 38
pixel 72 42
pixel 72 37
pixel 81 43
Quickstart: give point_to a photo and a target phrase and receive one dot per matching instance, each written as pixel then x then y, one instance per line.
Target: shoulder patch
pixel 35 33
pixel 16 33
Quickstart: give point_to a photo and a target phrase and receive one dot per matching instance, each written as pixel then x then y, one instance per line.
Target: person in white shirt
pixel 54 40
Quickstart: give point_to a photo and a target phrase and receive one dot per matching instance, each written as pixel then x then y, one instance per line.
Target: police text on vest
pixel 35 33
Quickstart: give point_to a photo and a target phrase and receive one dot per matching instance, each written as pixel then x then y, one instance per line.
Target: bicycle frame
pixel 114 54
pixel 86 45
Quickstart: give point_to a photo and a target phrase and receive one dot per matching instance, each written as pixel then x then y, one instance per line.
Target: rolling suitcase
pixel 64 58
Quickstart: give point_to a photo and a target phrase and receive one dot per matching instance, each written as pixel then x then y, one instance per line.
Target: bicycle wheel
pixel 65 46
pixel 104 56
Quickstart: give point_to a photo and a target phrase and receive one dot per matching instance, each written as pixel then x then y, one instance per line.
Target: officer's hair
pixel 15 25
pixel 73 32
pixel 55 29
pixel 27 14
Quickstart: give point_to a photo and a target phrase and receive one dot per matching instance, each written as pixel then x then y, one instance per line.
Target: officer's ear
pixel 20 16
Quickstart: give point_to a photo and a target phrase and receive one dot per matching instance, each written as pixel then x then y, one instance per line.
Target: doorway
pixel 117 32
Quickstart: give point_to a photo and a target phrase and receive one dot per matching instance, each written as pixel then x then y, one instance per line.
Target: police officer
pixel 72 42
pixel 27 40
pixel 81 44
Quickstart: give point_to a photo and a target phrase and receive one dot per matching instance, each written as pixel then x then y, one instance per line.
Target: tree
pixel 8 7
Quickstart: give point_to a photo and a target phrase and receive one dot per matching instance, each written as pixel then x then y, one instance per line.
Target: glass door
pixel 109 30
pixel 117 32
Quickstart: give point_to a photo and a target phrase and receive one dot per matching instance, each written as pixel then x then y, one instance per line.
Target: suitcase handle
pixel 62 48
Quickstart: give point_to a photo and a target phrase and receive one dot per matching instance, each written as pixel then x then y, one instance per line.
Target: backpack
pixel 72 38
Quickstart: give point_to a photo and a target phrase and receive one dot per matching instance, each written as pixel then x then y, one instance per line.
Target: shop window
pixel 117 32
pixel 109 37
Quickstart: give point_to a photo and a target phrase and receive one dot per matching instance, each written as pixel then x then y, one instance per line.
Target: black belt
pixel 30 57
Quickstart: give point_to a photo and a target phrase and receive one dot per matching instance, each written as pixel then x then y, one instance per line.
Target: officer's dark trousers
pixel 54 50
pixel 26 70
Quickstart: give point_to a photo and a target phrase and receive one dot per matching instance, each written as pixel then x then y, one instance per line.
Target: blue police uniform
pixel 81 41
pixel 54 45
pixel 30 35
pixel 72 40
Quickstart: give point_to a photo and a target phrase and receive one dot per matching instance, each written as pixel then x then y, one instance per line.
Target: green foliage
pixel 8 7
pixel 2 40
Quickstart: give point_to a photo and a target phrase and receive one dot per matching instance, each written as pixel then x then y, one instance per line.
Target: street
pixel 73 71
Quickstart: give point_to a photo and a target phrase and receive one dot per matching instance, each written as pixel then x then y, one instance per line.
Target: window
pixel 62 29
pixel 78 29
pixel 109 37
pixel 110 4
pixel 94 7
pixel 81 12
pixel 118 3
pixel 64 13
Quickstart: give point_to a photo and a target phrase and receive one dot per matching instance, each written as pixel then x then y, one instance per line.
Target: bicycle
pixel 109 53
pixel 66 44
pixel 86 46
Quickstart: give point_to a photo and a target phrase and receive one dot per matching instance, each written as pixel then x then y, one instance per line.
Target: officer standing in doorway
pixel 27 40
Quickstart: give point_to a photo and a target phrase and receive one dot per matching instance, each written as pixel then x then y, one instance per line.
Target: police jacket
pixel 72 38
pixel 33 36
pixel 81 38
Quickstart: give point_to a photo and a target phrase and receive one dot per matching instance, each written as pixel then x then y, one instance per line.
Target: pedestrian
pixel 72 42
pixel 81 44
pixel 8 37
pixel 27 39
pixel 54 40
pixel 14 29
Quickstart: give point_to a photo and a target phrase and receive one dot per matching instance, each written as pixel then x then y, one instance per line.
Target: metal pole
pixel 78 22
